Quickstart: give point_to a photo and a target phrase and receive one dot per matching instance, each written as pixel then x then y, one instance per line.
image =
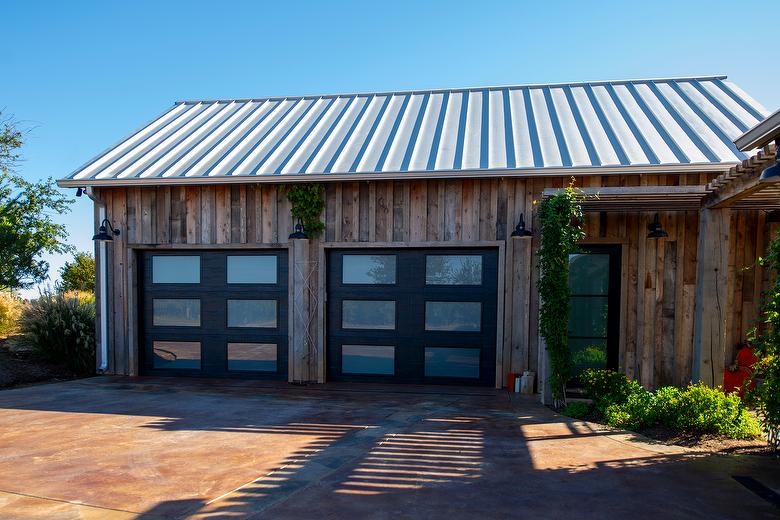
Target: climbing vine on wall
pixel 561 222
pixel 765 338
pixel 308 203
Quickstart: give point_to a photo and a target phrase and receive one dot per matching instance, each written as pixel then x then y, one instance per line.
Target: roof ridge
pixel 458 89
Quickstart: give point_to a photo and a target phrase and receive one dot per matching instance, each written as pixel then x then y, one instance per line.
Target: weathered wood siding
pixel 659 276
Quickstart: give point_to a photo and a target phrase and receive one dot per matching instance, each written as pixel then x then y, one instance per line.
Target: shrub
pixel 703 409
pixel 636 412
pixel 10 310
pixel 697 408
pixel 607 387
pixel 62 329
pixel 576 410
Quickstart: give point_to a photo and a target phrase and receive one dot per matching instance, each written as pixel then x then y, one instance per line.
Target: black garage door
pixel 412 316
pixel 214 314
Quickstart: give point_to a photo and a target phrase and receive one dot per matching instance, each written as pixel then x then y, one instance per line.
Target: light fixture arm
pixel 107 223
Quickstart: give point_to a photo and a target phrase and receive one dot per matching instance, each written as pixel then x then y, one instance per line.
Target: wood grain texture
pixel 658 284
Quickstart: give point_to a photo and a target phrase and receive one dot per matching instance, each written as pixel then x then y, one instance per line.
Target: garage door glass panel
pixel 251 269
pixel 453 316
pixel 452 362
pixel 365 314
pixel 253 357
pixel 251 313
pixel 175 269
pixel 368 359
pixel 453 269
pixel 176 354
pixel 368 269
pixel 176 312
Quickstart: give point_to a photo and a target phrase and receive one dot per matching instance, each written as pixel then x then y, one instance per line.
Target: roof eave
pixel 659 169
pixel 760 135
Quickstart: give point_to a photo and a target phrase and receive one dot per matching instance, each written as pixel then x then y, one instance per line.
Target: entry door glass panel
pixel 368 269
pixel 176 312
pixel 251 269
pixel 251 313
pixel 594 280
pixel 175 269
pixel 365 314
pixel 177 354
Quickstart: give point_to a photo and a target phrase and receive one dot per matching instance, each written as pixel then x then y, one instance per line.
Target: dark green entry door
pixel 412 315
pixel 214 313
pixel 594 328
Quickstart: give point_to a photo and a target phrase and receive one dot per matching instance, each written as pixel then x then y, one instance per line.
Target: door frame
pixel 500 245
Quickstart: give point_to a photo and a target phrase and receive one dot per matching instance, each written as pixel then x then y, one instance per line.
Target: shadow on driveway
pixel 172 449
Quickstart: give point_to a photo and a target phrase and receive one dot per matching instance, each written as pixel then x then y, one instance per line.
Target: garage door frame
pixel 367 246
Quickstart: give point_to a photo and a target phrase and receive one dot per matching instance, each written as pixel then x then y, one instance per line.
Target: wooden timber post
pixel 303 358
pixel 712 289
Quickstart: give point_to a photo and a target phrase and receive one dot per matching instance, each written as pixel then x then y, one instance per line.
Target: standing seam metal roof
pixel 529 129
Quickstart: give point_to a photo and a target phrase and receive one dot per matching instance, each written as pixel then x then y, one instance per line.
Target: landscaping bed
pixel 21 366
pixel 696 416
pixel 707 442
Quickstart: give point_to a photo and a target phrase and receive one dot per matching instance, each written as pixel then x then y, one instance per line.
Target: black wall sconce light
pixel 655 229
pixel 103 235
pixel 299 233
pixel 520 231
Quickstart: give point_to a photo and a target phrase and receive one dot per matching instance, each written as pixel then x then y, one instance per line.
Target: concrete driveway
pixel 153 448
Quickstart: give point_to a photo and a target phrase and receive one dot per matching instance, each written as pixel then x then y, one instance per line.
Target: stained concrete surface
pixel 116 448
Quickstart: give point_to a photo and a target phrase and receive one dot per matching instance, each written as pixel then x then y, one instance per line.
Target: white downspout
pixel 103 287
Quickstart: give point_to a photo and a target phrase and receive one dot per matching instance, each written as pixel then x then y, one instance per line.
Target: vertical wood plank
pixel 193 218
pixel 419 210
pixel 208 223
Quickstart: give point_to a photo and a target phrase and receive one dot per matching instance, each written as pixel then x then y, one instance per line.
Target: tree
pixel 79 274
pixel 27 227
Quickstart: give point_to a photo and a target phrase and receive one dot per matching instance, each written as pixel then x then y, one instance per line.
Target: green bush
pixel 698 408
pixel 636 412
pixel 62 329
pixel 576 410
pixel 703 409
pixel 10 310
pixel 607 387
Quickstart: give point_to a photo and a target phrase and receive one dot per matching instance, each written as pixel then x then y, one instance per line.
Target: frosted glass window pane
pixel 175 269
pixel 176 354
pixel 172 312
pixel 368 269
pixel 251 313
pixel 251 269
pixel 254 357
pixel 368 359
pixel 453 269
pixel 362 314
pixel 453 316
pixel 451 362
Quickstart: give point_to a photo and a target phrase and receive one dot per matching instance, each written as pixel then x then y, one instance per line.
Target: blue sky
pixel 81 75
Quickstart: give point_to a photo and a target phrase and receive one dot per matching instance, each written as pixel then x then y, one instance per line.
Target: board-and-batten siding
pixel 659 276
